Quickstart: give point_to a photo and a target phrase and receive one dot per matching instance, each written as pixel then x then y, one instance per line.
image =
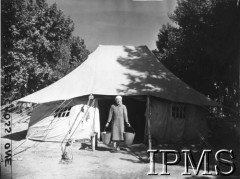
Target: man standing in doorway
pixel 117 113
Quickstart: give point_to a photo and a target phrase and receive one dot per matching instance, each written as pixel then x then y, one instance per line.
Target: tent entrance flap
pixel 136 115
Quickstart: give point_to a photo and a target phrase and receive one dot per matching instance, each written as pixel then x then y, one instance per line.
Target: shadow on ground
pixel 87 146
pixel 17 136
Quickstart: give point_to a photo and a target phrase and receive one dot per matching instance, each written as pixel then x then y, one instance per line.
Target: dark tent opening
pixel 136 115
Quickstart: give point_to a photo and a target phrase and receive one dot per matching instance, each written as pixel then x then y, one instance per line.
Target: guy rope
pixel 66 150
pixel 35 143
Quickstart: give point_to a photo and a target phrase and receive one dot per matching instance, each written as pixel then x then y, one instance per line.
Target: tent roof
pixel 120 70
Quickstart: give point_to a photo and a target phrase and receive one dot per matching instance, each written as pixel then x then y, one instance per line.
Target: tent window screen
pixel 178 111
pixel 63 112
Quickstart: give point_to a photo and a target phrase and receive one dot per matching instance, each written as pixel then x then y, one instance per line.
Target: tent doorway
pixel 136 114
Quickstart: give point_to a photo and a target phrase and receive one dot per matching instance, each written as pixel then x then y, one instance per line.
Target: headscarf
pixel 118 97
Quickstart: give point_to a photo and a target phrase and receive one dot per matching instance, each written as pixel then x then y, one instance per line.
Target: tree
pixel 202 47
pixel 36 46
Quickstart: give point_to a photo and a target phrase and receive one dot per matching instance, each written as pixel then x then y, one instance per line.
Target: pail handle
pixel 105 128
pixel 132 129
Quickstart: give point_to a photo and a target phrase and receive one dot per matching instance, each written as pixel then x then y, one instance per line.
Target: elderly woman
pixel 118 112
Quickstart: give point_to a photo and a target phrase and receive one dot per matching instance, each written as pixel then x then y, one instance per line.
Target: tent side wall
pixel 196 123
pixel 47 124
pixel 170 125
pixel 165 128
pixel 42 111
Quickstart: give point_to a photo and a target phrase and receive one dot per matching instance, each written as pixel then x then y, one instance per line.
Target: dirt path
pixel 42 160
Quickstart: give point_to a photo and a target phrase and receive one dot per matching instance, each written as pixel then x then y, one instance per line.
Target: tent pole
pixel 152 165
pixel 149 125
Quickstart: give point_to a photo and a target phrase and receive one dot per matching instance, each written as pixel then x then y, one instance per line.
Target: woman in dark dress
pixel 117 113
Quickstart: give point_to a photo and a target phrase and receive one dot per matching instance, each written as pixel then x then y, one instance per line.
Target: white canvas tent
pixel 58 121
pixel 131 72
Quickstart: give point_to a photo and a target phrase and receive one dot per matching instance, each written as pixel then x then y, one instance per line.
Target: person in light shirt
pixel 117 114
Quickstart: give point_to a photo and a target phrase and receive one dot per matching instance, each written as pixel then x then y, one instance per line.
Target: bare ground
pixel 35 159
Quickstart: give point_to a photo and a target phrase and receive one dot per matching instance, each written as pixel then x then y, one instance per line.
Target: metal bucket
pixel 106 137
pixel 129 137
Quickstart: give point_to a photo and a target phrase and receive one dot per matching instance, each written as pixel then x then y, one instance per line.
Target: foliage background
pixel 203 48
pixel 38 47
